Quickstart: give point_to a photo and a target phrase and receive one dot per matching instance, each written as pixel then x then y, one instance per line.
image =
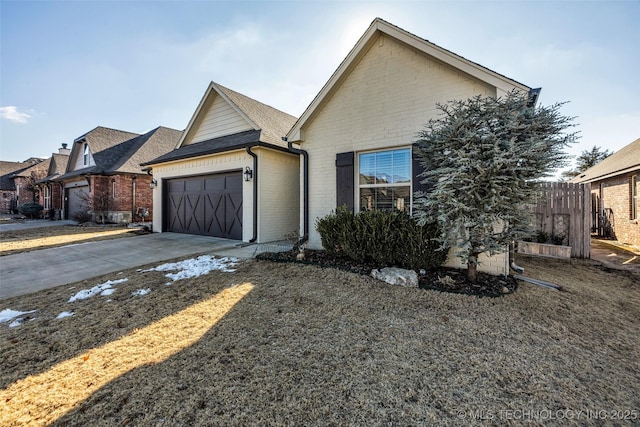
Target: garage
pixel 76 201
pixel 208 205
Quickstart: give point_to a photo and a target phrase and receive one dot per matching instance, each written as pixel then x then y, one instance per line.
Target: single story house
pixel 17 182
pixel 231 175
pixel 104 178
pixel 357 133
pixel 614 194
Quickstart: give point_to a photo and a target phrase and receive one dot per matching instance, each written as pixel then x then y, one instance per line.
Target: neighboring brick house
pixel 232 175
pixel 17 181
pixel 104 177
pixel 614 194
pixel 363 123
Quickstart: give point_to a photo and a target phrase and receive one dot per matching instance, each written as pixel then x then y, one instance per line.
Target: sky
pixel 69 66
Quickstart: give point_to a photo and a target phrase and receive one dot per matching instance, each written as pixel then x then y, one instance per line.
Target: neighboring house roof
pixel 57 166
pixel 37 169
pixel 623 161
pixel 269 126
pixel 7 171
pixel 147 147
pixel 112 155
pixel 378 27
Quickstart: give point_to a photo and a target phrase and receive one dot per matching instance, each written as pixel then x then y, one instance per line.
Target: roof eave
pixel 149 165
pixel 609 175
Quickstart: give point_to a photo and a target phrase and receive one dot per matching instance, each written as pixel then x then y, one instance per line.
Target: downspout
pixel 305 186
pixel 255 194
pixel 63 211
pixel 133 199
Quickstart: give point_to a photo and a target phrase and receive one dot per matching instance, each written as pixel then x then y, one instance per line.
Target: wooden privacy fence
pixel 564 211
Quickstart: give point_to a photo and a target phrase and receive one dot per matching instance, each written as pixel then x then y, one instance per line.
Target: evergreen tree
pixel 585 160
pixel 482 159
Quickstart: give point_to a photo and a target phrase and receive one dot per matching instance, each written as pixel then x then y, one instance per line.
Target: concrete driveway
pixel 33 271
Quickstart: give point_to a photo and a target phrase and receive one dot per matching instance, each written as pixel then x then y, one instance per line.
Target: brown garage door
pixel 207 205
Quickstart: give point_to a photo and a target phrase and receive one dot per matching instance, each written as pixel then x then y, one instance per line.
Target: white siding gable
pixel 79 158
pixel 220 119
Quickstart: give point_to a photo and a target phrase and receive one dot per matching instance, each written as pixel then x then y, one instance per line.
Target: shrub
pixel 81 216
pixel 30 209
pixel 384 238
pixel 557 239
pixel 542 237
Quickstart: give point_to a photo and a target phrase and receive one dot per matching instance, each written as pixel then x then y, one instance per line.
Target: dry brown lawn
pixel 13 242
pixel 285 344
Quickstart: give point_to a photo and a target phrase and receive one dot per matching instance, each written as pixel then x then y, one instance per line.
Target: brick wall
pixel 23 192
pixel 7 201
pixel 616 195
pixel 118 197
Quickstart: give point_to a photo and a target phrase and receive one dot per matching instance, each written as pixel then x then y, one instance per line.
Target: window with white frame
pixel 47 197
pixel 85 155
pixel 385 180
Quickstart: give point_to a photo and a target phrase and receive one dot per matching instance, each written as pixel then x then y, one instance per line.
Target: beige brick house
pixel 614 194
pixel 361 125
pixel 231 175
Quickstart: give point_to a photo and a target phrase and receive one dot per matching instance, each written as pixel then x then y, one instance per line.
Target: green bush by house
pixel 384 238
pixel 30 209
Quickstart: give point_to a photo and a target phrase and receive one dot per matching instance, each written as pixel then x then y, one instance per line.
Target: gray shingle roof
pixel 113 155
pixel 625 160
pixel 57 166
pixel 237 141
pixel 273 123
pixel 7 170
pixel 157 142
pixel 39 169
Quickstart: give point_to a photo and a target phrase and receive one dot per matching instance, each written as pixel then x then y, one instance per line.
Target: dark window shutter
pixel 344 179
pixel 417 169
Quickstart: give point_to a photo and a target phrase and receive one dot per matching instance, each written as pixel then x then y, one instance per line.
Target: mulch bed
pixel 441 279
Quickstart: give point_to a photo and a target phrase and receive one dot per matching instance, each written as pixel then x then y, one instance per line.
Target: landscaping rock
pixel 396 276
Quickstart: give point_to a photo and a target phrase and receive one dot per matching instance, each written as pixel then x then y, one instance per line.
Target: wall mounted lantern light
pixel 248 174
pixel 153 184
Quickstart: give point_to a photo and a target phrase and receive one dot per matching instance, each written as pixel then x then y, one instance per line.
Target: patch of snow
pixel 102 289
pixel 140 292
pixel 196 267
pixel 65 314
pixel 19 321
pixel 8 314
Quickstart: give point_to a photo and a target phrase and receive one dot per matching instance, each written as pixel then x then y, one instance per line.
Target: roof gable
pixel 125 156
pixel 7 172
pixel 101 143
pixel 222 112
pixel 625 160
pixel 380 28
pixel 57 166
